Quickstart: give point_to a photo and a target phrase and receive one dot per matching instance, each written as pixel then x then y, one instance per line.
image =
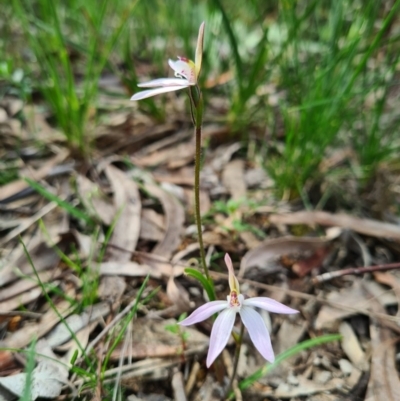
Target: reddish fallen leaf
pixel 304 266
pixel 7 361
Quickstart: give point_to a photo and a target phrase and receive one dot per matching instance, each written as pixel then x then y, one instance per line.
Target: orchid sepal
pixel 153 92
pixel 204 312
pixel 199 50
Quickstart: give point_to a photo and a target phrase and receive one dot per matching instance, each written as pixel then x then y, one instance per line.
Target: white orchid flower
pixel 236 303
pixel 186 73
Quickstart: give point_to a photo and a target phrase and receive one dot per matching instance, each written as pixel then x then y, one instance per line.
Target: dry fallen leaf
pixel 152 338
pixel 384 382
pixel 26 283
pixel 13 188
pixel 174 219
pixel 74 323
pixel 304 387
pixel 179 296
pixel 270 254
pixel 129 269
pixel 22 338
pixel 42 256
pixel 391 280
pixel 94 201
pixel 353 296
pixel 373 228
pixel 233 179
pixel 151 226
pixel 127 203
pixel 47 378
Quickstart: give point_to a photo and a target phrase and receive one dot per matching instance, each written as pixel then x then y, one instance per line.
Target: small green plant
pixel 327 84
pixel 250 69
pixel 176 329
pixel 229 208
pixel 60 31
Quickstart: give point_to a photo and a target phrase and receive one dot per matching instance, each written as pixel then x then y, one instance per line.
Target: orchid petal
pixel 185 68
pixel 269 305
pixel 220 334
pixel 157 91
pixel 204 312
pixel 233 282
pixel 258 332
pixel 199 50
pixel 155 83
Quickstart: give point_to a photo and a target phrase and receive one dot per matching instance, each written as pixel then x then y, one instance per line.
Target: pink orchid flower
pixel 251 319
pixel 186 73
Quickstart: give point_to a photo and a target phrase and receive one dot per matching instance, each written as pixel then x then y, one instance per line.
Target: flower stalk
pixel 239 342
pixel 186 76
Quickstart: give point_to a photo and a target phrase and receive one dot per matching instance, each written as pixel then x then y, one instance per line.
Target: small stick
pixel 354 270
pixel 177 386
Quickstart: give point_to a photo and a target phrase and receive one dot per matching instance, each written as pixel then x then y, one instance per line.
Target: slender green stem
pixel 197 198
pixel 236 360
pixel 196 104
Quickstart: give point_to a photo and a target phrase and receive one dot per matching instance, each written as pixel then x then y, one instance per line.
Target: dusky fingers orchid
pixel 252 320
pixel 186 74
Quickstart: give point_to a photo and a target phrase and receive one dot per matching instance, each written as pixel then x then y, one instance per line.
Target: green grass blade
pixel 54 198
pixel 30 366
pixel 307 344
pixel 233 42
pixel 128 318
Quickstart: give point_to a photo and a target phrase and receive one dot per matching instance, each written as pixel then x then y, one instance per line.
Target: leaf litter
pixel 143 216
